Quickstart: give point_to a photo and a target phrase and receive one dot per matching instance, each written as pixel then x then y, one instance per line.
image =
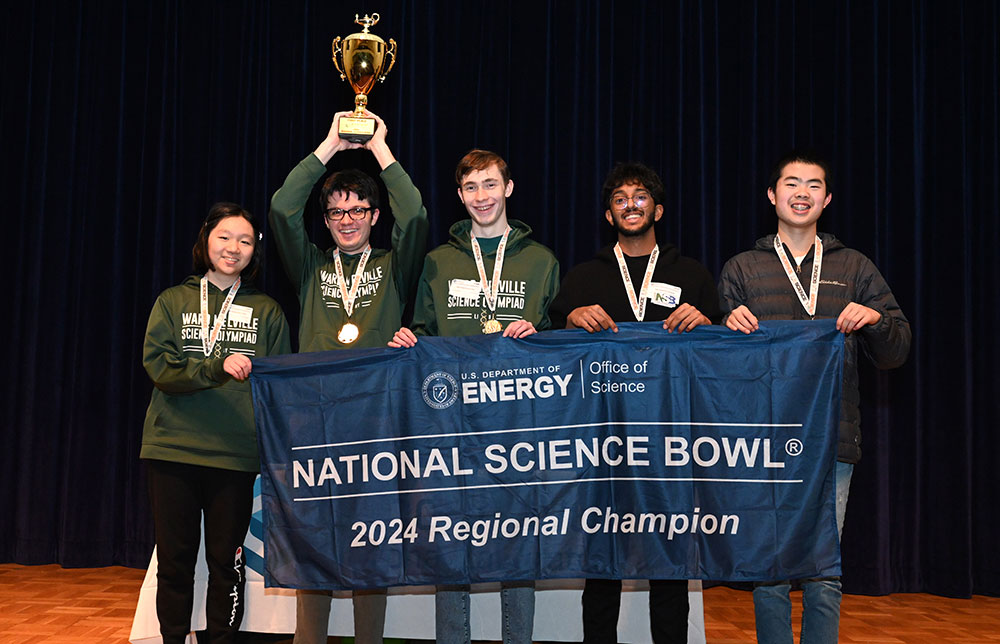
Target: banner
pixel 636 455
pixel 409 609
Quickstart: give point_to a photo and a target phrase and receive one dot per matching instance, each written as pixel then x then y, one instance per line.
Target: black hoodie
pixel 599 281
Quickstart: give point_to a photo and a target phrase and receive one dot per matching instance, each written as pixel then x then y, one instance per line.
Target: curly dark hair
pixel 632 173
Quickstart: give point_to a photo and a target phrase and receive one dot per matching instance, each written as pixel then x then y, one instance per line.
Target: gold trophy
pixel 361 59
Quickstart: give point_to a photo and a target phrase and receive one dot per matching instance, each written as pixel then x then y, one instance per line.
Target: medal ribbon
pixel 808 301
pixel 348 297
pixel 208 341
pixel 490 290
pixel 638 304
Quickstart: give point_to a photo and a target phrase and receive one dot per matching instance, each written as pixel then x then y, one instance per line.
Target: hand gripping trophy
pixel 361 59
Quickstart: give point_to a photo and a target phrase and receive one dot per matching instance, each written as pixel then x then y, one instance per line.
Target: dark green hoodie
pixel 198 414
pixel 528 284
pixel 389 275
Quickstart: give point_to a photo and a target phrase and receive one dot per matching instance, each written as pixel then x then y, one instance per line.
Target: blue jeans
pixel 517 603
pixel 820 597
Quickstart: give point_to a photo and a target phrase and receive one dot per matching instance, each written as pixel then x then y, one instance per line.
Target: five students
pixel 352 295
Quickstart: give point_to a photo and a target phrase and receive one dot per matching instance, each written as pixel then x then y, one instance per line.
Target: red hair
pixel 481 160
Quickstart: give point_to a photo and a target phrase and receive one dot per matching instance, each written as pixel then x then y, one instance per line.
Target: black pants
pixel 179 493
pixel 668 610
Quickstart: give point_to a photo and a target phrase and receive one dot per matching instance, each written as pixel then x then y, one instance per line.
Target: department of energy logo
pixel 440 390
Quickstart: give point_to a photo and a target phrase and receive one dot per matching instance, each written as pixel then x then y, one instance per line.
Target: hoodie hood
pixel 460 234
pixel 668 254
pixel 194 281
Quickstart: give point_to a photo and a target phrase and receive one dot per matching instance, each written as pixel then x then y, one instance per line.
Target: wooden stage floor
pixel 53 605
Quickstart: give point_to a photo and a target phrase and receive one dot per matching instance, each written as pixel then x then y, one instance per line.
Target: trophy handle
pixel 391 54
pixel 337 53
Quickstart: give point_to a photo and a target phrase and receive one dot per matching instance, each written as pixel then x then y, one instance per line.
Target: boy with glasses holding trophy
pixel 350 295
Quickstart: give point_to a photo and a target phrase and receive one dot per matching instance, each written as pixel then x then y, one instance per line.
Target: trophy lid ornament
pixel 366 22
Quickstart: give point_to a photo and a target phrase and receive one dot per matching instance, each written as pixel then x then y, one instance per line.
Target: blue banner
pixel 641 454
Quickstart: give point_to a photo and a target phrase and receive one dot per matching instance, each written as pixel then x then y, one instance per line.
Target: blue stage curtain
pixel 121 122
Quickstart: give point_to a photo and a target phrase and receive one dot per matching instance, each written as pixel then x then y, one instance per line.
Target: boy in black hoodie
pixel 635 279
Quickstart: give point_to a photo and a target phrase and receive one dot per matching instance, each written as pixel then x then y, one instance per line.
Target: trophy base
pixel 356 129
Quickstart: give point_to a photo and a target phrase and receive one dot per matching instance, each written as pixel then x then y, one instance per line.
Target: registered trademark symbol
pixel 793 447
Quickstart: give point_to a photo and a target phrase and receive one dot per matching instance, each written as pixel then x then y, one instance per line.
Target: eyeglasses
pixel 640 200
pixel 336 214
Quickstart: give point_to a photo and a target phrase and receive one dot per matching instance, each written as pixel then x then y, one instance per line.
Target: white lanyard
pixel 490 290
pixel 638 304
pixel 208 341
pixel 808 301
pixel 350 295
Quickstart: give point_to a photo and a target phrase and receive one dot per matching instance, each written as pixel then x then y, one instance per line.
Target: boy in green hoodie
pixel 489 278
pixel 350 295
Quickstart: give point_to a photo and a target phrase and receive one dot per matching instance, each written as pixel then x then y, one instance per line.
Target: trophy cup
pixel 361 59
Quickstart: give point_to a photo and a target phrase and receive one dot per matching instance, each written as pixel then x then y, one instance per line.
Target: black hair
pixel 347 181
pixel 803 155
pixel 632 173
pixel 218 212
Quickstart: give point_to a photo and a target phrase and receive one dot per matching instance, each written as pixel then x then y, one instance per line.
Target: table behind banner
pixel 409 610
pixel 632 455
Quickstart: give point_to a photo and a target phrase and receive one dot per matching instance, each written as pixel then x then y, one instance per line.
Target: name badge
pixel 464 288
pixel 663 294
pixel 241 314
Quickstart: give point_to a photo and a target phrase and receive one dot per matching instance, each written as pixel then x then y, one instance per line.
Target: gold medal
pixel 492 325
pixel 348 333
pixel 490 289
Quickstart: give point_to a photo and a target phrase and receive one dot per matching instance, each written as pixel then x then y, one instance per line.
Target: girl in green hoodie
pixel 198 442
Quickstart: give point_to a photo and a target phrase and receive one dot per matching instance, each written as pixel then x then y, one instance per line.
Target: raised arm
pixel 289 202
pixel 409 230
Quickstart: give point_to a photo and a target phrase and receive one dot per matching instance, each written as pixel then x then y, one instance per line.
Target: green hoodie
pixel 198 414
pixel 528 284
pixel 389 275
